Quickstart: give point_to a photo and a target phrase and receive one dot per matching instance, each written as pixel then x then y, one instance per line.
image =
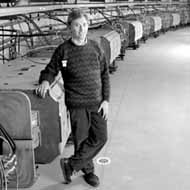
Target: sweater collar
pixel 74 42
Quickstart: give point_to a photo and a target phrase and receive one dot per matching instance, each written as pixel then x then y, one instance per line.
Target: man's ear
pixel 69 27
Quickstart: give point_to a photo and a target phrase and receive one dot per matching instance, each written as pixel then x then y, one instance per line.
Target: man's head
pixel 78 24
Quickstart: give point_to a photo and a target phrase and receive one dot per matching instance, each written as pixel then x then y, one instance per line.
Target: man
pixel 87 90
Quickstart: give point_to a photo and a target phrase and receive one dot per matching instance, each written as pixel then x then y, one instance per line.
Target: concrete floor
pixel 149 123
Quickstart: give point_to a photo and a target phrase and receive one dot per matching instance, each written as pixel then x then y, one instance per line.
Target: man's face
pixel 79 28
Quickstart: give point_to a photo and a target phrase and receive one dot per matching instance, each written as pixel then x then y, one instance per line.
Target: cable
pixel 11 158
pixel 8 138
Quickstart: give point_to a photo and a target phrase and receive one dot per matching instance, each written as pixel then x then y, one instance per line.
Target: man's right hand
pixel 42 89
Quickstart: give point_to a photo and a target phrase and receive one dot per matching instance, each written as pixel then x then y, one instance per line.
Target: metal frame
pixel 24 13
pixel 12 11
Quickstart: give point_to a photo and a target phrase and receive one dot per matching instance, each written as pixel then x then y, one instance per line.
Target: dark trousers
pixel 89 132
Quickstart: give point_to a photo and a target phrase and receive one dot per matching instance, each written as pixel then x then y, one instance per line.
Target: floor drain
pixel 103 160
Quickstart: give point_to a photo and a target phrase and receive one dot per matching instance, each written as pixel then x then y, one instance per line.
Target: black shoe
pixel 92 179
pixel 66 170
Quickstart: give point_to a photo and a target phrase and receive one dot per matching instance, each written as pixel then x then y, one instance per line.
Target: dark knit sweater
pixel 84 70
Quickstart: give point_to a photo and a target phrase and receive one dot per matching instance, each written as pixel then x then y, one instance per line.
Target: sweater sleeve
pixel 51 70
pixel 105 77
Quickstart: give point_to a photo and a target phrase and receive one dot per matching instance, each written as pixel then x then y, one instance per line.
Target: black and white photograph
pixel 94 94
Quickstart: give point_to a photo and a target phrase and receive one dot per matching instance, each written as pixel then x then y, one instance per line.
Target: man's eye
pixel 76 25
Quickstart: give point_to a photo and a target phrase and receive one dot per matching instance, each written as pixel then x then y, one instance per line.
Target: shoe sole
pixel 91 184
pixel 62 163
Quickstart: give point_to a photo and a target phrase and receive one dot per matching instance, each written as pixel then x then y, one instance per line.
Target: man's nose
pixel 81 28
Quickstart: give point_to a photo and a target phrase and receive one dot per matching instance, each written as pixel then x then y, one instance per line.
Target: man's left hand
pixel 104 107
